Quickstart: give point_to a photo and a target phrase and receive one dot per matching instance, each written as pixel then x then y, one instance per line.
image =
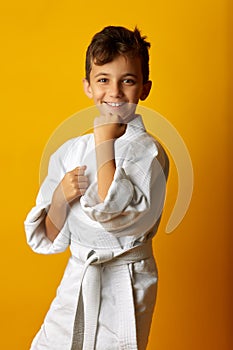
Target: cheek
pixel 98 94
pixel 136 93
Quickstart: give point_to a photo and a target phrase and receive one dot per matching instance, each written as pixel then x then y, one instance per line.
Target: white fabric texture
pixel 97 233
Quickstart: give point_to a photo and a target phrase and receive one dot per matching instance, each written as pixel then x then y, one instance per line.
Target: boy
pixel 103 197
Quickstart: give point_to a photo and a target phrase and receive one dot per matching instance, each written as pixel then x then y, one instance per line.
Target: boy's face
pixel 117 86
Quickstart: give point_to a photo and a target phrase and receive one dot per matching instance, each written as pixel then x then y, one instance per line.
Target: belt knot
pixel 100 256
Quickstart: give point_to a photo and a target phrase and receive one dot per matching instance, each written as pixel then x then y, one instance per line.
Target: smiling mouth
pixel 115 104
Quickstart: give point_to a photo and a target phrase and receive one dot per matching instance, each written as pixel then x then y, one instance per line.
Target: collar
pixel 134 126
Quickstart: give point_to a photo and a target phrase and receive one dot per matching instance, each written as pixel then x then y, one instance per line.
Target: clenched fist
pixel 72 186
pixel 108 127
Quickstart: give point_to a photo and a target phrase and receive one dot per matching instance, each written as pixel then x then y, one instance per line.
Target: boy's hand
pixel 108 127
pixel 72 186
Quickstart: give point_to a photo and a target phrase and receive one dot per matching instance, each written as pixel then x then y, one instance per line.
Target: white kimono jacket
pixel 106 298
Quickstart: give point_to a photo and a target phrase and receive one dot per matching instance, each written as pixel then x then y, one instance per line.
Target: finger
pixel 107 119
pixel 82 178
pixel 82 185
pixel 115 118
pixel 82 191
pixel 80 170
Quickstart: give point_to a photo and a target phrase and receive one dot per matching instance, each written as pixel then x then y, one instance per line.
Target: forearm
pixel 107 128
pixel 55 220
pixel 106 167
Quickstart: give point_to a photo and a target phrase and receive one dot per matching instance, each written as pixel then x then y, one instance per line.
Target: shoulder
pixel 161 155
pixel 147 146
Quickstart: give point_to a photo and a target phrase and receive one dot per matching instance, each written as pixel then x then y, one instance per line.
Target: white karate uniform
pixel 106 298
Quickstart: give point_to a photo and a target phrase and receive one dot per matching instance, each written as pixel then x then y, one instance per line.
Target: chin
pixel 125 112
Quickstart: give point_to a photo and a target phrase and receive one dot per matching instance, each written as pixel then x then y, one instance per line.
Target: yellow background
pixel 41 65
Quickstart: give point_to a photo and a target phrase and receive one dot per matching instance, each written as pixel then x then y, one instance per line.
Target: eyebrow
pixel 124 75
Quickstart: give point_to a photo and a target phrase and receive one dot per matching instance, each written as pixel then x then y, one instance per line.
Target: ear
pixel 87 88
pixel 145 90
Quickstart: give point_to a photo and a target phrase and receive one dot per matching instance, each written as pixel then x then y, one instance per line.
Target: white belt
pixel 85 329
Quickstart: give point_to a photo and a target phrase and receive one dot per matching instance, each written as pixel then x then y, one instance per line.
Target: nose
pixel 116 90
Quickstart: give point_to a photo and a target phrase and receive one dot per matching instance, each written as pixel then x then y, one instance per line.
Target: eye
pixel 102 80
pixel 129 81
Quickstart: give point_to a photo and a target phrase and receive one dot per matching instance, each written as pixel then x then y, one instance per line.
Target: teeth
pixel 114 104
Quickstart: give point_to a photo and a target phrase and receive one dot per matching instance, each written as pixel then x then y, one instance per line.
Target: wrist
pixel 104 139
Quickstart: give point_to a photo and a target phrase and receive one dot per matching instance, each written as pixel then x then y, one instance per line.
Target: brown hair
pixel 113 41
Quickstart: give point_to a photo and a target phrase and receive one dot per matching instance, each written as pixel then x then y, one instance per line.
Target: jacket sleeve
pixel 35 220
pixel 129 196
